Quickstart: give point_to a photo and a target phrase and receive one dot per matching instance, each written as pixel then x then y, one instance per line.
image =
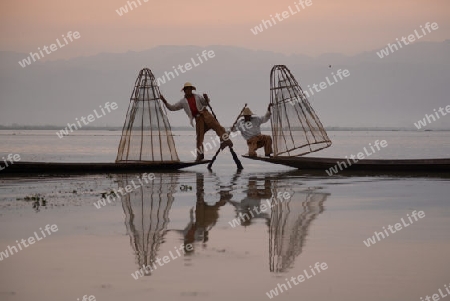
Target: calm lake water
pixel 320 219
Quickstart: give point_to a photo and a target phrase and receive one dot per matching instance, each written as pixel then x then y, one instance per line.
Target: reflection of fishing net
pixel 146 134
pixel 147 214
pixel 296 129
pixel 289 223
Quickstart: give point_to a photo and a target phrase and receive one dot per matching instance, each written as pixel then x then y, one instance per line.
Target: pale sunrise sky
pixel 346 26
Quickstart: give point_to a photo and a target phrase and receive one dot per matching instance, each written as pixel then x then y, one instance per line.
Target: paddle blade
pixel 213 159
pixel 236 159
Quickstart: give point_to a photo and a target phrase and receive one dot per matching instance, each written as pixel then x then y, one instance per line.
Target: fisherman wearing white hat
pixel 195 107
pixel 250 128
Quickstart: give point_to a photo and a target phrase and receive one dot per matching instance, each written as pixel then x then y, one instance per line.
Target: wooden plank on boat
pixel 313 163
pixel 92 168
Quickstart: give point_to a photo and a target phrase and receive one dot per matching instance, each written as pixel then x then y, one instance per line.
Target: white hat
pixel 188 84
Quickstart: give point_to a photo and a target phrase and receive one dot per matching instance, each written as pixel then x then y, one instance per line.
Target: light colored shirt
pixel 183 104
pixel 251 128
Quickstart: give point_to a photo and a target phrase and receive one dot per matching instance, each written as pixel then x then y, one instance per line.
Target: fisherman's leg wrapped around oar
pixel 226 142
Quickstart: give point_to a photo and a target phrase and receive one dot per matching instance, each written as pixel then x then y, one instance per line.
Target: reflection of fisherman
pixel 206 216
pixel 250 128
pixel 250 206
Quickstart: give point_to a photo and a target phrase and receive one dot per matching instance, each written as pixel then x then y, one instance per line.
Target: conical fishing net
pixel 147 214
pixel 146 134
pixel 289 225
pixel 296 129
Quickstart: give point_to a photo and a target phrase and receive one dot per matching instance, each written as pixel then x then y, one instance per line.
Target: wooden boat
pixel 93 168
pixel 297 131
pixel 146 145
pixel 367 165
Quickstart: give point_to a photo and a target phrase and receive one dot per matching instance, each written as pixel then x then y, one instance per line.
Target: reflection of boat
pixel 369 165
pixel 147 215
pixel 288 214
pixel 93 168
pixel 289 223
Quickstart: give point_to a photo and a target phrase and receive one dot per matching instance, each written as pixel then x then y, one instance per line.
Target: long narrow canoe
pixel 369 165
pixel 93 168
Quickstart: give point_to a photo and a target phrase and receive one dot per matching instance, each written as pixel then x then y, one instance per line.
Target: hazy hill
pixel 395 91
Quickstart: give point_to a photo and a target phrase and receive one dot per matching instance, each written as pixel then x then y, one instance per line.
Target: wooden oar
pixel 240 114
pixel 233 153
pixel 235 157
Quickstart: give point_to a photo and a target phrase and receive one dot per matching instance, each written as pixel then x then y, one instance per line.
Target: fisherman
pixel 195 107
pixel 250 128
pixel 206 215
pixel 251 206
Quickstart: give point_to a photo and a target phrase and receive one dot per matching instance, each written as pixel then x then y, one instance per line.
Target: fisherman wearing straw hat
pixel 250 128
pixel 195 107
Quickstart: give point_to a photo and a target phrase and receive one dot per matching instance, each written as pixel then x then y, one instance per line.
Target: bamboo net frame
pixel 296 128
pixel 290 221
pixel 146 133
pixel 147 215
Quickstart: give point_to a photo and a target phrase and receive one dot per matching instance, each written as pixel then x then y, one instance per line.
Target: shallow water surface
pixel 183 226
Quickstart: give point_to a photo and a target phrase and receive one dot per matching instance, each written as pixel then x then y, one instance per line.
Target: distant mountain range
pixel 394 92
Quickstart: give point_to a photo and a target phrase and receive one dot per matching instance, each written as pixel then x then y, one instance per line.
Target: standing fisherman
pixel 195 107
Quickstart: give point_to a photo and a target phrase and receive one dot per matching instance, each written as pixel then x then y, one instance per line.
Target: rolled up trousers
pixel 259 141
pixel 204 122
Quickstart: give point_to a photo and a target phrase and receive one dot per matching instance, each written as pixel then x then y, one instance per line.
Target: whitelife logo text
pixel 49 49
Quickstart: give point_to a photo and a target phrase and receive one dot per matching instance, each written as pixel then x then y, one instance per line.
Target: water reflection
pixel 288 227
pixel 287 219
pixel 147 215
pixel 205 216
pixel 249 208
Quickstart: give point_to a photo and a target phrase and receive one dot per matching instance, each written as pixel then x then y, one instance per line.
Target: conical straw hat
pixel 188 84
pixel 247 112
